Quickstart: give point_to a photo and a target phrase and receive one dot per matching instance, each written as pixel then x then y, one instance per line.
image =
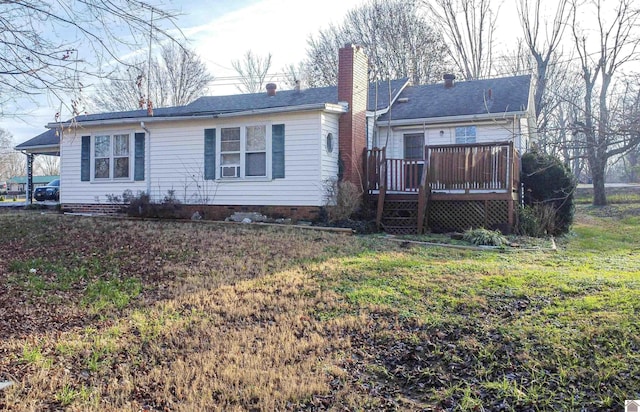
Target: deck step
pixel 401 230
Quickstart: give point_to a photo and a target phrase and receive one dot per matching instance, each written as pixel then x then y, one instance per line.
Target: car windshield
pixel 54 183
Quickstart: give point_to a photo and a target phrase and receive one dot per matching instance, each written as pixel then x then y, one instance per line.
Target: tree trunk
pixel 597 174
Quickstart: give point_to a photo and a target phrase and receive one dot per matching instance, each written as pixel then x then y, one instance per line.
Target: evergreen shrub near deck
pixel 549 189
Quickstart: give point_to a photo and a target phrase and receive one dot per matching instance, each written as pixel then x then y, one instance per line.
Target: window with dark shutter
pixel 138 166
pixel 85 159
pixel 277 151
pixel 209 154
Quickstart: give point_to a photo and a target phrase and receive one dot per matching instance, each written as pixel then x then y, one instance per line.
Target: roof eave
pixel 38 147
pixel 327 107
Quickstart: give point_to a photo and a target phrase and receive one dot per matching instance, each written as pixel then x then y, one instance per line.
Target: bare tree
pixel 123 91
pixel 629 116
pixel 606 134
pixel 47 165
pixel 12 163
pixel 44 43
pixel 468 27
pixel 295 75
pixel 178 77
pixel 542 39
pixel 252 70
pixel 398 39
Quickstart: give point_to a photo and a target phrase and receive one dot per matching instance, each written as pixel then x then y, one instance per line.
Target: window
pixel 256 151
pixel 230 152
pixel 465 134
pixel 243 152
pixel 329 143
pixel 111 156
pixel 414 146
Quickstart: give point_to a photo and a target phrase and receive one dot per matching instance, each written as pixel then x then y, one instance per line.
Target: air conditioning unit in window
pixel 230 171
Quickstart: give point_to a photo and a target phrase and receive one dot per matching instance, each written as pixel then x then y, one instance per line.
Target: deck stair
pixel 400 215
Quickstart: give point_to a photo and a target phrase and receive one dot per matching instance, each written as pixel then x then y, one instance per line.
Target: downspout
pixel 148 155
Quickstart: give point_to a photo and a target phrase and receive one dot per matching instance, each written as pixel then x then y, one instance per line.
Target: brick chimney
pixel 271 89
pixel 353 86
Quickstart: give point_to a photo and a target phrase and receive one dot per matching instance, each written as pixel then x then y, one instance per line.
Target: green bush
pixel 549 188
pixel 485 237
pixel 537 220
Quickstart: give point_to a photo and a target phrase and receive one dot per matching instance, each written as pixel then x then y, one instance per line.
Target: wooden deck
pixel 455 186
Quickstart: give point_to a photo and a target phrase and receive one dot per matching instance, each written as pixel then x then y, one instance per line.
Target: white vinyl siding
pixel 177 163
pixel 329 165
pixel 485 133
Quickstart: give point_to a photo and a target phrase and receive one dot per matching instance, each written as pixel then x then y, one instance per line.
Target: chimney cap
pixel 448 80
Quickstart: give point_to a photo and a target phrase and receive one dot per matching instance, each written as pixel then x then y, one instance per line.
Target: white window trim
pixel 110 179
pixel 243 152
pixel 466 137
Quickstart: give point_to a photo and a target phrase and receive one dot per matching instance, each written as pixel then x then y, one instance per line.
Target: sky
pixel 221 31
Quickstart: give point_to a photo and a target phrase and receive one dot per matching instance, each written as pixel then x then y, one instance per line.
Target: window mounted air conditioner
pixel 230 171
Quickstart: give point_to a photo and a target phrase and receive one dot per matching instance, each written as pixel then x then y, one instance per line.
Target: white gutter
pixel 328 107
pixel 50 146
pixel 451 119
pixel 385 110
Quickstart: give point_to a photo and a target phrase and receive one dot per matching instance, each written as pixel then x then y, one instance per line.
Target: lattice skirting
pixel 458 216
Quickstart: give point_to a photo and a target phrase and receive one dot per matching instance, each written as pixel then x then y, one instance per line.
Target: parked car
pixel 49 192
pixel 3 188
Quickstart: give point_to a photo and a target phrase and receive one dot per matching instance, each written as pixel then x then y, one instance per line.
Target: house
pixel 275 152
pixel 18 184
pixel 465 140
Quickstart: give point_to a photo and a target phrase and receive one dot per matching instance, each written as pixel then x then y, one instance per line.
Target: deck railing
pixel 473 167
pixel 395 175
pixel 467 168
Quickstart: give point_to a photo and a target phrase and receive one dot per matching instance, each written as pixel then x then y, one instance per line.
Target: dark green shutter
pixel 277 151
pixel 209 154
pixel 85 159
pixel 138 165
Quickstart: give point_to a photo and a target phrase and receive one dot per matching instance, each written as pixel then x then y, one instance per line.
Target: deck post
pixel 422 198
pixel 382 185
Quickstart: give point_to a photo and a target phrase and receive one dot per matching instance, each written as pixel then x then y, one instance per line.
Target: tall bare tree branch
pixel 252 70
pixel 397 36
pixel 618 37
pixel 468 27
pixel 178 77
pixel 44 44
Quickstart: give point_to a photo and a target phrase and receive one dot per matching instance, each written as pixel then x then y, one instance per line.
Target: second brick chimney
pixel 353 87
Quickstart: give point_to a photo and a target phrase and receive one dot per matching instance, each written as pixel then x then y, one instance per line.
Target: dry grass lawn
pixel 113 315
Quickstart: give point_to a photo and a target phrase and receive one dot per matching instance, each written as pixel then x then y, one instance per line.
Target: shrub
pixel 141 205
pixel 549 188
pixel 537 220
pixel 484 237
pixel 343 200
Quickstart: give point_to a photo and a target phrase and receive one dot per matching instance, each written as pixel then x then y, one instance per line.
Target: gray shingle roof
pixel 383 88
pixel 212 105
pixel 48 138
pixel 475 97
